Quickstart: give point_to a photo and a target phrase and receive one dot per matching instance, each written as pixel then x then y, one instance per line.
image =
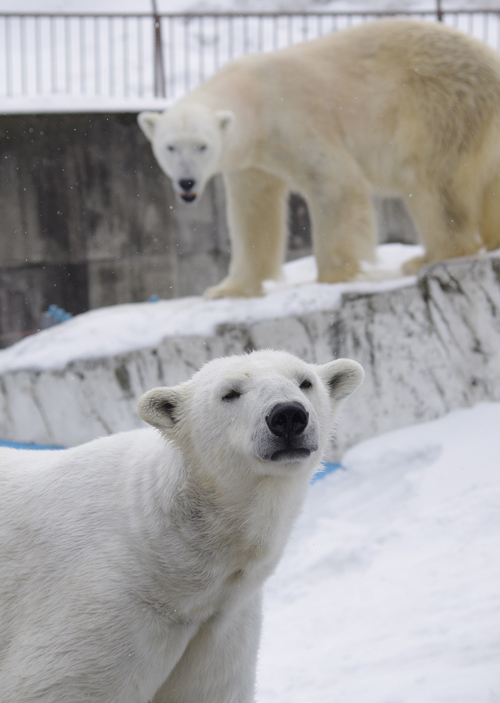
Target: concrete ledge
pixel 427 348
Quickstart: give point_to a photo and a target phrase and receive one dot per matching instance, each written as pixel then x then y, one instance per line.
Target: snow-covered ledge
pixel 428 345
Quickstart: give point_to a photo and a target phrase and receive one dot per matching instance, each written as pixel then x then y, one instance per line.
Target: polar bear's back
pixel 408 81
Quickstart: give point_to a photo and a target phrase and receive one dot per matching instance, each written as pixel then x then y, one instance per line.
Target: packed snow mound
pixel 388 592
pixel 120 329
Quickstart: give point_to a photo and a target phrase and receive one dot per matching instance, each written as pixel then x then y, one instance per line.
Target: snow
pixel 120 329
pixel 389 590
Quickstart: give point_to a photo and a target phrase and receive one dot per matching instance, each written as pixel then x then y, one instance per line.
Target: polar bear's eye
pixel 232 395
pixel 202 147
pixel 170 147
pixel 305 385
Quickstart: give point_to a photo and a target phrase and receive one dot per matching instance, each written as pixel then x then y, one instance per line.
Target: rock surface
pixel 427 348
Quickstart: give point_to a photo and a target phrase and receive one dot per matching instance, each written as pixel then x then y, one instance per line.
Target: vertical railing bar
pixel 259 33
pixel 22 46
pixel 275 32
pixel 140 65
pixel 53 57
pixel 216 42
pixel 245 35
pixel 201 49
pixel 97 58
pixel 111 56
pixel 173 83
pixel 38 55
pixel 439 11
pixel 125 56
pixel 289 18
pixel 8 55
pixel 231 37
pixel 67 53
pixel 159 69
pixel 81 27
pixel 186 44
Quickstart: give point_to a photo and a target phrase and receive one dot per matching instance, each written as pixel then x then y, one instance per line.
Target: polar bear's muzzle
pixel 290 441
pixel 187 192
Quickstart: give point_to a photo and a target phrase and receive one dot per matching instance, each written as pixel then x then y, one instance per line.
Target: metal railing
pixel 140 56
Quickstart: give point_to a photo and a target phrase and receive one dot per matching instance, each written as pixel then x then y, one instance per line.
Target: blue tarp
pixel 21 445
pixel 328 467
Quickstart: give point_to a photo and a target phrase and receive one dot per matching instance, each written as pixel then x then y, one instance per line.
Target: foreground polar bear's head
pixel 187 143
pixel 268 408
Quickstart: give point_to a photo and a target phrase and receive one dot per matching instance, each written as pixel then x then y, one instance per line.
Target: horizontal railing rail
pixel 107 56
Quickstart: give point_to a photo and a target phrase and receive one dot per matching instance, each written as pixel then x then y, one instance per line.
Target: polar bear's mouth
pixel 188 197
pixel 291 454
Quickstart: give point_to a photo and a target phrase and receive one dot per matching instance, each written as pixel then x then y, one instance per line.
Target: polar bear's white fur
pixel 135 562
pixel 391 106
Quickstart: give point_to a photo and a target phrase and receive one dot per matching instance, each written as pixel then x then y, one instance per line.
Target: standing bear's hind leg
pixel 256 212
pixel 489 219
pixel 446 221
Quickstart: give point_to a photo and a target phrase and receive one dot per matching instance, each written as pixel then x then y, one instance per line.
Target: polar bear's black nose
pixel 186 184
pixel 287 419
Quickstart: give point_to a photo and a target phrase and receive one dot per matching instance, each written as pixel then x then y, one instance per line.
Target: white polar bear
pixel 391 106
pixel 133 565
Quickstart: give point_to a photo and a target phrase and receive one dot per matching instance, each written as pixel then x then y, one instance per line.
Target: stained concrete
pixel 427 348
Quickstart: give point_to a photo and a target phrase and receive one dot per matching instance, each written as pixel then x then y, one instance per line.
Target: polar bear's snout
pixel 291 435
pixel 288 421
pixel 187 193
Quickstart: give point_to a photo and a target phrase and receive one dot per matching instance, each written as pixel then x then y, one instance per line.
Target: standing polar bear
pixel 131 568
pixel 392 106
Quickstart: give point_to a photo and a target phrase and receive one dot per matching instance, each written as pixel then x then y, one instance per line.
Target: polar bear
pixel 392 106
pixel 131 567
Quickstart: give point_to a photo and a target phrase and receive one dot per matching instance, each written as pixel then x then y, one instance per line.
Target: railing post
pixel 159 70
pixel 439 11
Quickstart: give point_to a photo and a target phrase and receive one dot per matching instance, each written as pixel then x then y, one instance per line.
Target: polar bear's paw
pixel 412 266
pixel 230 287
pixel 346 271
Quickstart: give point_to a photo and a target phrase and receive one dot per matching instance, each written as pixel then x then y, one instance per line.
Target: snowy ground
pixel 124 328
pixel 389 591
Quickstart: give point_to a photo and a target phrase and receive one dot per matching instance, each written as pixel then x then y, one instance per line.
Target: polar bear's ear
pixel 225 118
pixel 341 377
pixel 147 122
pixel 160 407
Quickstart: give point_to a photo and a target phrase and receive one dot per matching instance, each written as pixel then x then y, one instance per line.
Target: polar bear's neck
pixel 245 134
pixel 252 515
pixel 220 529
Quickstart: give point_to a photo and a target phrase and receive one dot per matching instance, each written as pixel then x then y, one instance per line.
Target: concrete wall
pixel 88 219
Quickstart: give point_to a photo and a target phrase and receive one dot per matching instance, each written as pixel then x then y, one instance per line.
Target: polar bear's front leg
pixel 256 213
pixel 220 662
pixel 343 222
